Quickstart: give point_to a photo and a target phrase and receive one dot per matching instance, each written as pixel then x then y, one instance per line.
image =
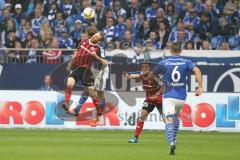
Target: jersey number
pixel 176 74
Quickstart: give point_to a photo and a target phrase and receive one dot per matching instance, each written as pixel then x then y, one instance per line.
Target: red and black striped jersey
pixel 83 57
pixel 152 87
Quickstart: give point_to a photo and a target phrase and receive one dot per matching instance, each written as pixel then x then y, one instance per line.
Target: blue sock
pixel 84 96
pixel 176 123
pixel 102 103
pixel 169 130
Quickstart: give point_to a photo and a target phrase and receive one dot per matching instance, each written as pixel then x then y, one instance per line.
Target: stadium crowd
pixel 143 24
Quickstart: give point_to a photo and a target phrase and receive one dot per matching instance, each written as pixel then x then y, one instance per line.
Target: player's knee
pixel 100 94
pixel 70 82
pixel 144 115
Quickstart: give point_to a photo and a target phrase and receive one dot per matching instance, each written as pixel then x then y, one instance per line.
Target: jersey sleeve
pixel 190 65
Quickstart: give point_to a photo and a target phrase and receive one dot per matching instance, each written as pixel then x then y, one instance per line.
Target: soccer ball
pixel 88 13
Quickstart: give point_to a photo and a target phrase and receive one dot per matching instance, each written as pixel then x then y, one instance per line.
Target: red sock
pixel 96 104
pixel 68 93
pixel 139 127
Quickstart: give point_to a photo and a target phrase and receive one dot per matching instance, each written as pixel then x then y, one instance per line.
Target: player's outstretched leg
pixel 139 127
pixel 68 93
pixel 83 98
pixel 169 130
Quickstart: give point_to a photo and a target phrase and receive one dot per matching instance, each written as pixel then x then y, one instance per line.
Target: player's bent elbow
pixel 197 71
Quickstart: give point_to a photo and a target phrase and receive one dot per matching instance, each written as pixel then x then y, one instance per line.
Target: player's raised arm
pixel 198 75
pixel 130 76
pixel 99 59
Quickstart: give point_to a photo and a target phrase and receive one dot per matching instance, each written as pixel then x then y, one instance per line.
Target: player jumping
pixel 153 98
pixel 174 70
pixel 100 74
pixel 79 67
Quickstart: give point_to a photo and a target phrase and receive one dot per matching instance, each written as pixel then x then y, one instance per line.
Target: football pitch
pixel 41 144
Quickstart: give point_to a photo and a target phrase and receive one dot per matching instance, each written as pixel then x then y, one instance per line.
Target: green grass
pixel 21 144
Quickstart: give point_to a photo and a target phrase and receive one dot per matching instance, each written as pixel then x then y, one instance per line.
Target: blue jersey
pixel 173 72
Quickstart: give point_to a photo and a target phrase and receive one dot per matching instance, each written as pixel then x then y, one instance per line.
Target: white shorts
pixel 100 78
pixel 172 106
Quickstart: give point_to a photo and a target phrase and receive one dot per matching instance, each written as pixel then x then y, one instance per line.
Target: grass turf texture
pixel 21 144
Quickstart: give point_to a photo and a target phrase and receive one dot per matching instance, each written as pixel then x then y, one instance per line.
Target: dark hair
pixel 173 7
pixel 91 31
pixel 189 42
pixel 176 47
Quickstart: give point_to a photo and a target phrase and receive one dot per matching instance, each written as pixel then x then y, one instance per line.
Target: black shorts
pixel 149 107
pixel 82 74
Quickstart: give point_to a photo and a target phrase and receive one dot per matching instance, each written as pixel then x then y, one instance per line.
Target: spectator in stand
pixel 18 14
pixel 133 10
pixel 223 32
pixel 3 19
pixel 223 46
pixel 170 14
pixel 127 41
pixel 144 32
pixel 19 53
pixel 131 28
pixel 34 56
pixel 24 28
pixel 46 35
pixel 205 45
pixel 77 33
pixel 191 21
pixel 27 42
pixel 58 24
pixel 160 18
pixel 10 26
pixel 151 12
pixel 118 10
pixel 102 23
pixel 176 36
pixel 38 19
pixel 163 34
pixel 148 48
pixel 109 30
pixel 229 8
pixel 100 12
pixel 66 7
pixel 234 42
pixel 48 86
pixel 53 56
pixel 179 5
pixel 189 45
pixel 140 21
pixel 65 41
pixel 155 40
pixel 52 12
pixel 120 29
pixel 187 7
pixel 211 9
pixel 206 25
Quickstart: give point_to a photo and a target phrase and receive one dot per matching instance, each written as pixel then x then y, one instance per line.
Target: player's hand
pixel 199 91
pixel 104 62
pixel 68 68
pixel 125 74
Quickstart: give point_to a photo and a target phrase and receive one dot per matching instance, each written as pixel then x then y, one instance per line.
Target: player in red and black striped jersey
pixel 80 64
pixel 153 99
